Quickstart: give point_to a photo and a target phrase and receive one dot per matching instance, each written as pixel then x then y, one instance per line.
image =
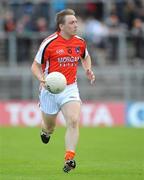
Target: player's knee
pixel 73 123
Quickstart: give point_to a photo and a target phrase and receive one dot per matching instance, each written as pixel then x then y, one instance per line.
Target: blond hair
pixel 60 17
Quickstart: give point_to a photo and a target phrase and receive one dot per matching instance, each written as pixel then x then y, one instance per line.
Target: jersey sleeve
pixel 42 53
pixel 84 51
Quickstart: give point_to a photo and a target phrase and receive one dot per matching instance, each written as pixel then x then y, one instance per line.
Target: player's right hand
pixel 91 76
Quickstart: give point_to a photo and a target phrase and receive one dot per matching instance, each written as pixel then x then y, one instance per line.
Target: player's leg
pixel 48 126
pixel 49 111
pixel 71 112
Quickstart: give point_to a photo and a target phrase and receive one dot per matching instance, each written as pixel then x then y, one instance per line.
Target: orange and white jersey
pixel 59 54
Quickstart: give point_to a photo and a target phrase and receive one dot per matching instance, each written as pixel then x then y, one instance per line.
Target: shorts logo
pixel 60 51
pixel 73 97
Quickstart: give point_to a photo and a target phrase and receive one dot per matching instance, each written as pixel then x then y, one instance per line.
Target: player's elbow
pixel 33 66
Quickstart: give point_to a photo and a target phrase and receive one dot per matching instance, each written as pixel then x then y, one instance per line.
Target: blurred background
pixel 114 31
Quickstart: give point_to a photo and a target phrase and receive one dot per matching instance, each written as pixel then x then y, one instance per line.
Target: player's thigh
pixel 49 120
pixel 71 111
pixel 48 104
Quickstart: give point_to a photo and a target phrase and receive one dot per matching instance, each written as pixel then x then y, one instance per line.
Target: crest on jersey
pixel 77 49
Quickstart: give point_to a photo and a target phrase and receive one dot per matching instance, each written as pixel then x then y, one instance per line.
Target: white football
pixel 55 82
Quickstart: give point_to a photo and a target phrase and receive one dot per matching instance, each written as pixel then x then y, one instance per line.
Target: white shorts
pixel 52 103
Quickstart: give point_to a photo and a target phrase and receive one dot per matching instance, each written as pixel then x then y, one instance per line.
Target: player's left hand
pixel 90 76
pixel 42 82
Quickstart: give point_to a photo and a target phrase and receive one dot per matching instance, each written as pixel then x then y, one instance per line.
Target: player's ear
pixel 61 26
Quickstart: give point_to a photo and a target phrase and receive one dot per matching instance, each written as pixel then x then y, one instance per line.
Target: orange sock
pixel 69 155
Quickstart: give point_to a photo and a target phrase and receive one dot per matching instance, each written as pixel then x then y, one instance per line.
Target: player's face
pixel 70 26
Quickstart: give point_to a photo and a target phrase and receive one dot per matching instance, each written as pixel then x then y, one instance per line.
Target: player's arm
pixel 86 63
pixel 36 67
pixel 37 71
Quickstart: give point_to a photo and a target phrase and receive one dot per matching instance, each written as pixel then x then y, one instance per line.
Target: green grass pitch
pixel 102 154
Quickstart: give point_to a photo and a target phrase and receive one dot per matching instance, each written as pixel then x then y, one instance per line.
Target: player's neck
pixel 65 36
